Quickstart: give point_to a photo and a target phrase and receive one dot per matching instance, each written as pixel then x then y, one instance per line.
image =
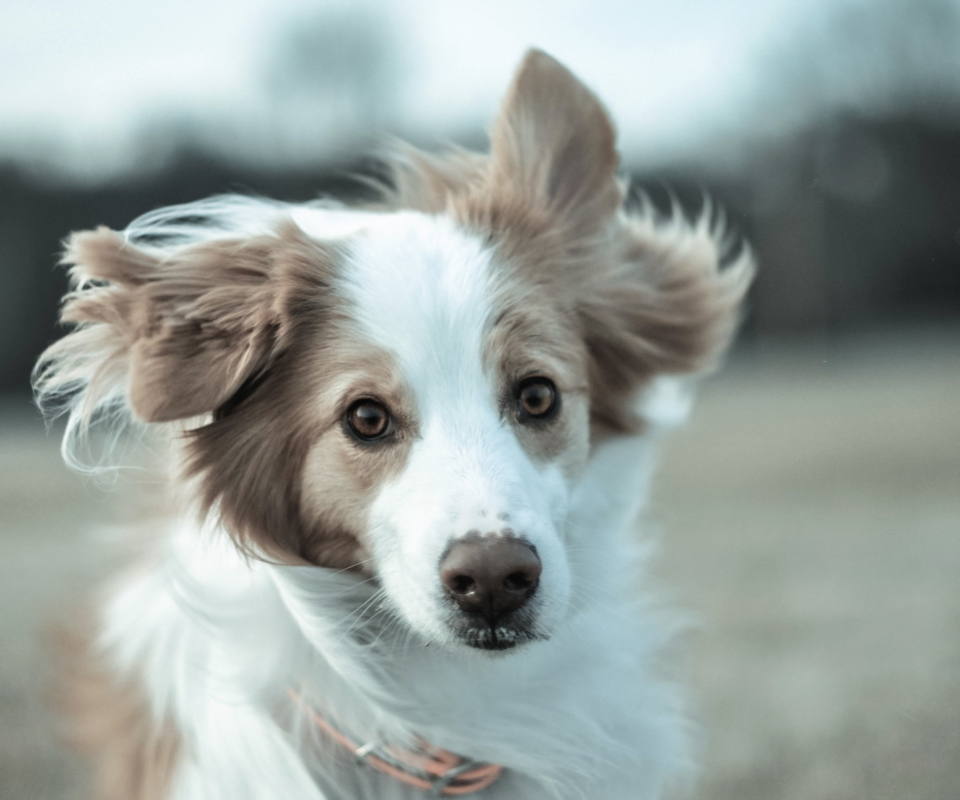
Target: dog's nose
pixel 490 575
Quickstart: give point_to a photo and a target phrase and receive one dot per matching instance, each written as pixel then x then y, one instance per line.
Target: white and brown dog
pixel 408 442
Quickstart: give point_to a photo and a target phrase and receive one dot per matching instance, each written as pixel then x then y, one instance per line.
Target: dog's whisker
pixel 362 563
pixel 357 614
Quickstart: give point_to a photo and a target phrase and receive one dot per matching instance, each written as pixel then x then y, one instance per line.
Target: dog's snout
pixel 490 575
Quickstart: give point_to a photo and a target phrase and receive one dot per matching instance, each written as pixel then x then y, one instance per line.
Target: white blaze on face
pixel 420 290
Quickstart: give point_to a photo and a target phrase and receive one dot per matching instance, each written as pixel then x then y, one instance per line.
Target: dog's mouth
pixel 479 633
pixel 497 638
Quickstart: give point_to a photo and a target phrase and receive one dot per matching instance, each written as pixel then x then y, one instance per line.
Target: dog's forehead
pixel 419 287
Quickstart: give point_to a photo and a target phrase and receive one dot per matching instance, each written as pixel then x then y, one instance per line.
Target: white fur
pixel 218 639
pixel 421 291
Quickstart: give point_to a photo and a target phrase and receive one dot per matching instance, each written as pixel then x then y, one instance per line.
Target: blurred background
pixel 810 514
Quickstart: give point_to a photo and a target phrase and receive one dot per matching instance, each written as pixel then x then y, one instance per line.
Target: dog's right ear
pixel 183 330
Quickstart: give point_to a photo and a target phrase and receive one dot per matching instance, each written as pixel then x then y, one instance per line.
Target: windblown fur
pixel 239 330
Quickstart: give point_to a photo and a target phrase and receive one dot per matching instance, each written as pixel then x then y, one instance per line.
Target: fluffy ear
pixel 553 148
pixel 666 307
pixel 184 330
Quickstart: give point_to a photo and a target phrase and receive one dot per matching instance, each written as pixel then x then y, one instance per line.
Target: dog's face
pixel 470 420
pixel 415 400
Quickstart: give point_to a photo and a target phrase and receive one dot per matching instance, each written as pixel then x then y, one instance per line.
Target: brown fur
pixel 276 461
pixel 646 298
pixel 279 466
pixel 249 333
pixel 532 338
pixel 668 309
pixel 193 327
pixel 427 182
pixel 340 476
pixel 108 719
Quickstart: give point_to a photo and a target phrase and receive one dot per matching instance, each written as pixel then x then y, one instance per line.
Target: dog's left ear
pixel 665 305
pixel 553 148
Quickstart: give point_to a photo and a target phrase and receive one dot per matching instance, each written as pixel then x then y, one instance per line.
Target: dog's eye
pixel 369 419
pixel 538 398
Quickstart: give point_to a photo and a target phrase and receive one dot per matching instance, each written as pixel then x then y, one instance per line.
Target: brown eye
pixel 538 398
pixel 369 419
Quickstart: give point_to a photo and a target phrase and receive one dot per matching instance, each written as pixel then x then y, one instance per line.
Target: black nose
pixel 490 575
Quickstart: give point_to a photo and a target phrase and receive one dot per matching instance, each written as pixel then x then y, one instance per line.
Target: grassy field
pixel 810 520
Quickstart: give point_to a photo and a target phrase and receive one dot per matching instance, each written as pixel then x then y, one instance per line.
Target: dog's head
pixel 414 397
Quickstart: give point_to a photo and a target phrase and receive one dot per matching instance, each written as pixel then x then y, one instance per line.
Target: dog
pixel 407 442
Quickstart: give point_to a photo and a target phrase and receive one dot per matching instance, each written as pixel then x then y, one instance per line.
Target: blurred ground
pixel 811 520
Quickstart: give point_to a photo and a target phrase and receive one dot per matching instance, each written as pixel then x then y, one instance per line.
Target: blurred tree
pixel 854 184
pixel 333 77
pixel 872 56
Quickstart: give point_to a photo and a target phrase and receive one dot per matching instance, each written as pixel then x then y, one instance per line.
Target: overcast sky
pixel 88 75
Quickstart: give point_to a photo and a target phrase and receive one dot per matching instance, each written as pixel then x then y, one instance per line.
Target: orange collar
pixel 438 771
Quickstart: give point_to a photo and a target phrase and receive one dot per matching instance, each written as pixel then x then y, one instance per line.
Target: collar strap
pixel 432 769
